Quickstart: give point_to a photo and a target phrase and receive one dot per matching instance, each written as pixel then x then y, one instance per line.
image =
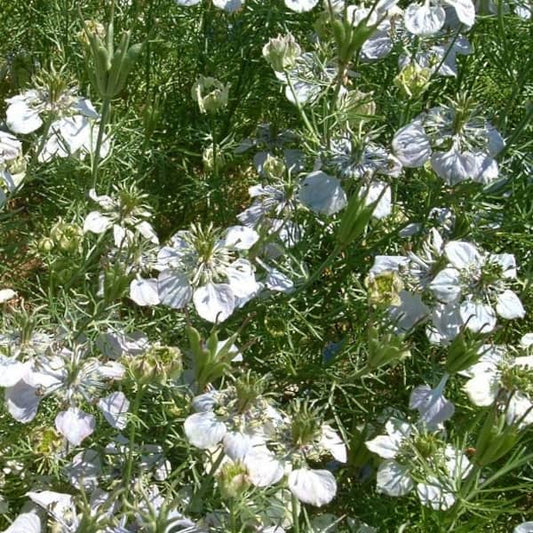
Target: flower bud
pixel 413 80
pixel 68 237
pixel 45 245
pixel 92 27
pixel 354 220
pixel 211 94
pixel 274 167
pixel 495 439
pixel 157 365
pixel 385 349
pixel 232 479
pixel 281 52
pixel 463 352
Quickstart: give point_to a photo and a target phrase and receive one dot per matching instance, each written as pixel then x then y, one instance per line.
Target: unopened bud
pixel 385 349
pixel 495 439
pixel 274 167
pixel 158 365
pixel 463 352
pixel 281 52
pixel 211 94
pixel 233 479
pixel 413 80
pixel 45 245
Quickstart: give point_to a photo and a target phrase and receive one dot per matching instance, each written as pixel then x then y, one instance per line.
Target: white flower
pixel 429 18
pixel 433 407
pixel 477 282
pixel 201 266
pixel 307 80
pixel 459 144
pixel 315 487
pixel 126 215
pixel 322 193
pixel 405 452
pixel 300 6
pixel 74 129
pixel 72 377
pixel 362 158
pixel 500 376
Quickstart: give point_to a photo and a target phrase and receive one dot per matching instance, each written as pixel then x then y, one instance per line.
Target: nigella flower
pixel 306 81
pixel 418 460
pixel 360 158
pixel 477 281
pixel 428 18
pixel 498 376
pixel 241 421
pixel 72 377
pixel 72 120
pixel 126 214
pixel 302 438
pixel 204 266
pixel 459 144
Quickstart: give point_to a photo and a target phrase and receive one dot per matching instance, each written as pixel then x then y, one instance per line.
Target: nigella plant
pixel 69 374
pixel 500 377
pixel 70 123
pixel 459 144
pixel 204 265
pixel 478 282
pixel 415 459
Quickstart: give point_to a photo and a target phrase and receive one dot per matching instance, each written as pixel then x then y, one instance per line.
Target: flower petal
pixel 509 305
pixel 214 302
pixel 174 289
pixel 145 292
pixel 315 487
pixel 75 425
pixel 322 193
pixel 394 479
pixel 411 145
pixel 204 430
pixel 424 19
pixel 115 409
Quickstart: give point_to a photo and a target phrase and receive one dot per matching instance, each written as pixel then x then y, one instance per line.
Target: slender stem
pixel 300 109
pixel 295 517
pixel 106 109
pixel 131 443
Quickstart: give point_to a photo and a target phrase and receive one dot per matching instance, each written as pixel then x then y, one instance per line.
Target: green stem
pixel 295 517
pixel 308 125
pixel 131 443
pixel 106 109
